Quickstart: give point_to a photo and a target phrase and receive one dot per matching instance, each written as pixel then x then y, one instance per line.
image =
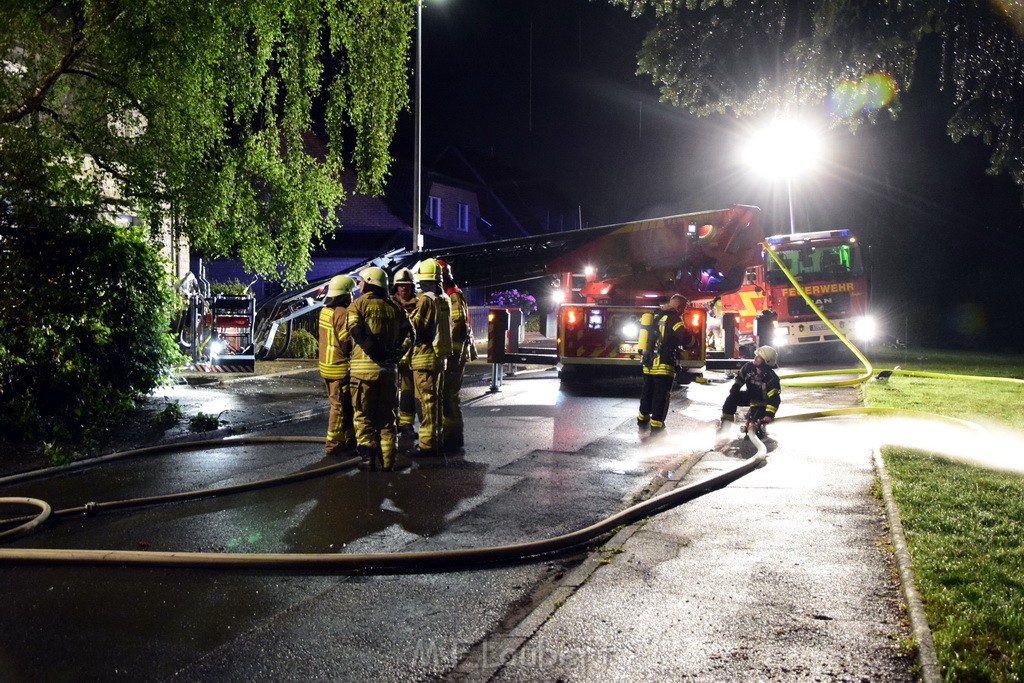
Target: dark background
pixel 550 86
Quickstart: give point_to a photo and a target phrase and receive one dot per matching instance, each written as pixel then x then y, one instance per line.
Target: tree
pixel 197 111
pixel 749 56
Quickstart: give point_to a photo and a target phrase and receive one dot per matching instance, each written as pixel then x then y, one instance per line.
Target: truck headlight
pixel 865 328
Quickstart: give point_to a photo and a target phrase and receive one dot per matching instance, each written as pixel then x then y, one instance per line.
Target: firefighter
pixel 381 334
pixel 463 350
pixel 335 348
pixel 665 334
pixel 405 296
pixel 431 319
pixel 762 392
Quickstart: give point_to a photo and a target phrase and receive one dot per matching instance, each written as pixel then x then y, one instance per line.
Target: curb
pixel 926 655
pixel 487 657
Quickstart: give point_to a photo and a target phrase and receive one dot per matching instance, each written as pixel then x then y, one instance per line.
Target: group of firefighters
pixel 755 385
pixel 383 352
pixel 389 355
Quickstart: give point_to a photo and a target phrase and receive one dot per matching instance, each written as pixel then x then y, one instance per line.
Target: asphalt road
pixel 539 462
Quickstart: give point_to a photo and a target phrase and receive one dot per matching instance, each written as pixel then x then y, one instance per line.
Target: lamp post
pixel 785 148
pixel 417 173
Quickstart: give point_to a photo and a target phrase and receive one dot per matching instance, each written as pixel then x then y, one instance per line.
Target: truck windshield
pixel 828 262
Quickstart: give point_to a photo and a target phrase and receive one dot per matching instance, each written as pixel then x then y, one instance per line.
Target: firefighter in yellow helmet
pixel 381 334
pixel 335 348
pixel 756 385
pixel 405 296
pixel 462 352
pixel 665 333
pixel 431 319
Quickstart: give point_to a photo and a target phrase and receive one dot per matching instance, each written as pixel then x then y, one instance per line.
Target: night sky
pixel 550 86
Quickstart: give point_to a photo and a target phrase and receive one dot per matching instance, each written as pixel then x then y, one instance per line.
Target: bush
pixel 84 311
pixel 231 287
pixel 513 298
pixel 303 345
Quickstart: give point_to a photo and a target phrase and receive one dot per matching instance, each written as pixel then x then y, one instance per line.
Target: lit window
pixel 463 224
pixel 434 209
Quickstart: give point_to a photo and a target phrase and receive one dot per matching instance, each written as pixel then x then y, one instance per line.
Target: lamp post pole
pixel 789 191
pixel 417 200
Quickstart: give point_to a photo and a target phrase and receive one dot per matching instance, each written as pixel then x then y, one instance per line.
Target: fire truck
pixel 830 266
pixel 631 269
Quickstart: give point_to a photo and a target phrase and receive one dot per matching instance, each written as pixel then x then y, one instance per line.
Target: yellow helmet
pixel 404 277
pixel 340 285
pixel 374 276
pixel 428 270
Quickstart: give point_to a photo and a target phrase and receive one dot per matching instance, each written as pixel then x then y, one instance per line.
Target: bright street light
pixel 786 148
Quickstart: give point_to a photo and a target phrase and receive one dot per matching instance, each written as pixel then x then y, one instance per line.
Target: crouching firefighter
pixel 762 392
pixel 662 334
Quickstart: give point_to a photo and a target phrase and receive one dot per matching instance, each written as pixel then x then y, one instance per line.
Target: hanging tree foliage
pixel 197 110
pixel 748 56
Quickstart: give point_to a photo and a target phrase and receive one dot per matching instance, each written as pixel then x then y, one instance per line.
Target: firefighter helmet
pixel 374 276
pixel 404 277
pixel 428 270
pixel 769 355
pixel 446 271
pixel 340 285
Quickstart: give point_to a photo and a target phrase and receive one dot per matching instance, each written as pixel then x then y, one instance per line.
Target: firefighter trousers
pixel 428 393
pixel 375 414
pixel 406 397
pixel 452 403
pixel 340 428
pixel 742 398
pixel 654 398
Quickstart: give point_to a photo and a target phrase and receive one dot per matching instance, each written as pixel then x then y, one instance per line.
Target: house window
pixel 463 224
pixel 434 209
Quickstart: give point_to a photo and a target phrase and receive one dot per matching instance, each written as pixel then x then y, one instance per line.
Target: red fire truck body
pixel 831 268
pixel 633 269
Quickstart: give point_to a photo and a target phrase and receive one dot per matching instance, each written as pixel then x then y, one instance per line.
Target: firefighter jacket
pixel 671 335
pixel 431 319
pixel 764 387
pixel 381 334
pixel 335 344
pixel 462 332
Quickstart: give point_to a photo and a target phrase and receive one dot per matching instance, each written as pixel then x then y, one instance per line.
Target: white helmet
pixel 404 277
pixel 769 355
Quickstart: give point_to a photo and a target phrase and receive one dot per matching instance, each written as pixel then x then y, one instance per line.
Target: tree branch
pixel 34 102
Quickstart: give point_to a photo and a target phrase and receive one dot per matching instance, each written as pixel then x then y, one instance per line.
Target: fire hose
pixel 443 560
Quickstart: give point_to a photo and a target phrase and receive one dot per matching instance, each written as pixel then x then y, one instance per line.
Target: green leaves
pixel 201 112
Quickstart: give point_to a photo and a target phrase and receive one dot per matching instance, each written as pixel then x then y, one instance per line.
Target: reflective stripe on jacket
pixel 670 339
pixel 335 344
pixel 460 326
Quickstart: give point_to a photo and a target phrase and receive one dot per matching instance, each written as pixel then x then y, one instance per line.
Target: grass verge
pixel 964 524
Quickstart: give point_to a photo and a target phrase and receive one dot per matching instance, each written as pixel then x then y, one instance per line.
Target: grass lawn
pixel 964 524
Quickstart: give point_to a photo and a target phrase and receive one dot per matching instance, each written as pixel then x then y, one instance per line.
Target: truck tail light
pixel 695 319
pixel 572 316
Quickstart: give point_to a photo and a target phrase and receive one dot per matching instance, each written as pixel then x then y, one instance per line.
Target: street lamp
pixel 787 147
pixel 417 173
